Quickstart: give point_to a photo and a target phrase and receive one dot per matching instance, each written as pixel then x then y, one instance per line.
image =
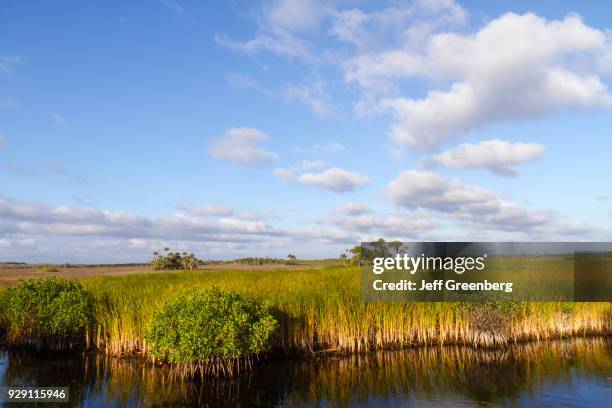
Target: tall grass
pixel 321 310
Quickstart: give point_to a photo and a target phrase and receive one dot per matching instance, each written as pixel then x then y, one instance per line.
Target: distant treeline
pixel 68 265
pixel 253 261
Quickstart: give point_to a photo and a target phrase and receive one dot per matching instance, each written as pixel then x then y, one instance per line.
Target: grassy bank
pixel 321 310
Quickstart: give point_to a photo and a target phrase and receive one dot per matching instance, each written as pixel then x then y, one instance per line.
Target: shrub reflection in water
pixel 437 374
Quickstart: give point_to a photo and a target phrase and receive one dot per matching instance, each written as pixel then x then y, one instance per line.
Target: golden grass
pixel 321 310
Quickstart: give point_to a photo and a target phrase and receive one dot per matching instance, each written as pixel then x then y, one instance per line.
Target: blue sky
pixel 262 128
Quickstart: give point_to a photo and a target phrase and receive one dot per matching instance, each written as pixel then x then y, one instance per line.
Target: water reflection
pixel 573 373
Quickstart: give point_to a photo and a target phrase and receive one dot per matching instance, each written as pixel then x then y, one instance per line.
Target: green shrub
pixel 50 313
pixel 174 261
pixel 202 327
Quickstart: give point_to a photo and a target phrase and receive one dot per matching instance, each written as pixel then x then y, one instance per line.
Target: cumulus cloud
pixel 33 231
pixel 353 209
pixel 423 189
pixel 335 179
pixel 497 156
pixel 483 210
pixel 36 218
pixel 515 67
pixel 239 145
pixel 290 173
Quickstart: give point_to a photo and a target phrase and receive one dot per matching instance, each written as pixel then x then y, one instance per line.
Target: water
pixel 575 373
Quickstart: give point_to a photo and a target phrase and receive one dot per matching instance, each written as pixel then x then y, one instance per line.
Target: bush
pixel 50 313
pixel 174 261
pixel 209 326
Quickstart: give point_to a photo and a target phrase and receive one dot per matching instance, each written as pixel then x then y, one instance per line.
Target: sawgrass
pixel 321 310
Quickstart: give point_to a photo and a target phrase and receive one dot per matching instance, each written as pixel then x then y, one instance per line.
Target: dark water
pixel 575 373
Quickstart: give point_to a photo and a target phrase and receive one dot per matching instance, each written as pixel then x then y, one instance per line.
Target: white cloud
pixel 289 173
pixel 373 226
pixel 211 211
pixel 295 15
pixel 422 189
pixel 88 234
pixel 353 209
pixel 335 179
pixel 279 24
pixel 239 145
pixel 497 156
pixel 483 210
pixel 515 67
pixel 312 95
pixel 7 63
pixel 35 218
pixel 281 43
pixel 57 118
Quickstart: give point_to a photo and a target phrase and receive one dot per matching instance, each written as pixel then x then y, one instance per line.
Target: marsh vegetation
pixel 315 311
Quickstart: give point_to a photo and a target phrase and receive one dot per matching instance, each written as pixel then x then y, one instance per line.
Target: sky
pixel 264 128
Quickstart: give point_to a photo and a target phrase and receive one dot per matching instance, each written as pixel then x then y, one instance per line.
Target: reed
pixel 321 310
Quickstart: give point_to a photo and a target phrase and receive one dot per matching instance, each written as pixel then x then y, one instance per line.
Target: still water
pixel 576 373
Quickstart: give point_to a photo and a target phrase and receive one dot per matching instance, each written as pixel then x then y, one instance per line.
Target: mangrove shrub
pixel 202 327
pixel 46 313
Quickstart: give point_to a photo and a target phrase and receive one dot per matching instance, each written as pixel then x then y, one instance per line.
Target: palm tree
pixel 343 258
pixel 380 247
pixel 357 256
pixel 396 245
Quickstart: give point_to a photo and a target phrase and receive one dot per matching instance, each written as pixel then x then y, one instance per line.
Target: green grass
pixel 321 310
